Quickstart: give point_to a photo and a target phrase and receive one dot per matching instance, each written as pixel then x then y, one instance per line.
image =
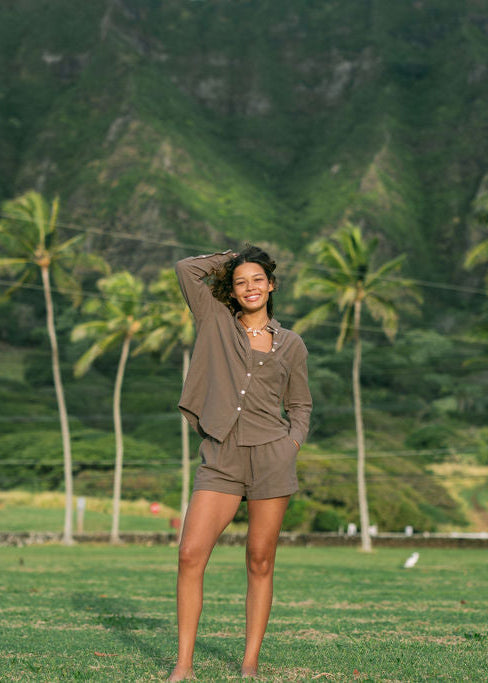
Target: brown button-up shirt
pixel 230 382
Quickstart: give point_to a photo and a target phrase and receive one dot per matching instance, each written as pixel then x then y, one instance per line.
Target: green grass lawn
pixel 106 613
pixel 35 519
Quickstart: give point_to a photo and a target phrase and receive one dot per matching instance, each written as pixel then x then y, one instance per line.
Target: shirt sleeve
pixel 297 399
pixel 191 273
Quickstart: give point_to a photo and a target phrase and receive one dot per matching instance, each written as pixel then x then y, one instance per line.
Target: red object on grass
pixel 155 508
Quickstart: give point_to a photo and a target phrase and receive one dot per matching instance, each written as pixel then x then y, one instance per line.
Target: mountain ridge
pixel 272 121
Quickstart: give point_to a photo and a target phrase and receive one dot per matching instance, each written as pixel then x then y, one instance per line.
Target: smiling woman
pixel 244 367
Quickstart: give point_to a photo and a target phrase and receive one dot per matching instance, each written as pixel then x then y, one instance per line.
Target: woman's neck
pixel 255 319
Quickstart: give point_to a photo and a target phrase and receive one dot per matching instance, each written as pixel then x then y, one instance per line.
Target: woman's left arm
pixel 297 400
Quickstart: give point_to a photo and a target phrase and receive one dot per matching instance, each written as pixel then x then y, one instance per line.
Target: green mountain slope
pixel 204 120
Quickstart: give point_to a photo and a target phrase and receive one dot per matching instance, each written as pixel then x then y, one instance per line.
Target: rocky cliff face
pixel 202 122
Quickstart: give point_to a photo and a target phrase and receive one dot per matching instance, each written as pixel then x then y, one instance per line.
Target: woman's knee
pixel 191 558
pixel 260 561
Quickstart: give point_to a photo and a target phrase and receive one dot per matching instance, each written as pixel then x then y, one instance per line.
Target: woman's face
pixel 251 287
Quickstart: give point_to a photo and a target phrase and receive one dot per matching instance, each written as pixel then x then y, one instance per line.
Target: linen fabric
pixel 228 382
pixel 252 472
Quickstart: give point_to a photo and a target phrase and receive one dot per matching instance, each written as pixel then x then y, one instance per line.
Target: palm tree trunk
pixel 185 449
pixel 63 413
pixel 356 385
pixel 119 442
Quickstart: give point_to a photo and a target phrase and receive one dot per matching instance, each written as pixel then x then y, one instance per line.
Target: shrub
pixel 328 519
pixel 295 515
pixel 432 436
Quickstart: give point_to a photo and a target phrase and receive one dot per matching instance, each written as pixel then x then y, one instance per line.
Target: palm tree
pixel 28 235
pixel 172 325
pixel 348 282
pixel 120 317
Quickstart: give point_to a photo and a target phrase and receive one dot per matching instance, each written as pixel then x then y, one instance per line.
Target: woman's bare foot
pixel 181 673
pixel 249 671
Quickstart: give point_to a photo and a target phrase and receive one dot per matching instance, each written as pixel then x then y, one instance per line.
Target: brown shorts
pixel 254 472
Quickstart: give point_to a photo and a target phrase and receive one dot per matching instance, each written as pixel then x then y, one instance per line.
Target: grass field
pixel 108 614
pixel 24 511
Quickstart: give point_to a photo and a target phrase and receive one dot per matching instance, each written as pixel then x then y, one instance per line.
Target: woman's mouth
pixel 252 297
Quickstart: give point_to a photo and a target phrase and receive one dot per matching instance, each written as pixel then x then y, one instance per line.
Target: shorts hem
pixel 219 488
pixel 275 494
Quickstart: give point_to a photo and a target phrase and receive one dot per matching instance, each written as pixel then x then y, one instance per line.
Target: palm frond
pixel 67 284
pixel 6 263
pixel 336 261
pixel 476 255
pixel 348 296
pixel 94 306
pixel 27 275
pixel 18 238
pixel 315 317
pixel 386 312
pixel 346 328
pixel 84 363
pixel 163 339
pixel 31 208
pixel 384 271
pixel 61 249
pixel 89 330
pixel 54 215
pixel 316 287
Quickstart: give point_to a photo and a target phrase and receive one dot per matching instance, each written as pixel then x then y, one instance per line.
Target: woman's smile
pixel 251 287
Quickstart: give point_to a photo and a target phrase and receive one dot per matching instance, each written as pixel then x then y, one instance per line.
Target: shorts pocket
pixel 209 451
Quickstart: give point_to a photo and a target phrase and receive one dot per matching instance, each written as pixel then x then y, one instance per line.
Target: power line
pixel 206 247
pixel 120 235
pixel 97 294
pixel 100 295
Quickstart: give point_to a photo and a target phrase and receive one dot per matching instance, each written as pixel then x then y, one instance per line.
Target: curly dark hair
pixel 222 279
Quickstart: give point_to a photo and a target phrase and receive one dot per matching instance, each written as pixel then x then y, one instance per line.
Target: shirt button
pixel 242 391
pixel 260 362
pixel 239 408
pixel 273 350
pixel 248 374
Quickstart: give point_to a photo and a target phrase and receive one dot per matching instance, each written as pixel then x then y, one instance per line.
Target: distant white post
pixel 80 513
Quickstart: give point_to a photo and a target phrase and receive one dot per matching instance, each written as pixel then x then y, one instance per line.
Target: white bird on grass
pixel 411 561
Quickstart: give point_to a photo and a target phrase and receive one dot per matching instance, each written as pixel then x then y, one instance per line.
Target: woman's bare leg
pixel 265 519
pixel 208 514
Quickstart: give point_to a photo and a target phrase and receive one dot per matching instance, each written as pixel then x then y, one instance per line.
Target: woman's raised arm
pixel 191 273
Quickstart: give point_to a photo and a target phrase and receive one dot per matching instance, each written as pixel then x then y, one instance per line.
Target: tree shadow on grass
pixel 206 651
pixel 119 615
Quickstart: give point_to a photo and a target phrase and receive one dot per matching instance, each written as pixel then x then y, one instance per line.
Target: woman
pixel 244 366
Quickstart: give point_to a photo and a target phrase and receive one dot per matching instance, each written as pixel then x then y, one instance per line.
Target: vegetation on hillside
pixel 171 128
